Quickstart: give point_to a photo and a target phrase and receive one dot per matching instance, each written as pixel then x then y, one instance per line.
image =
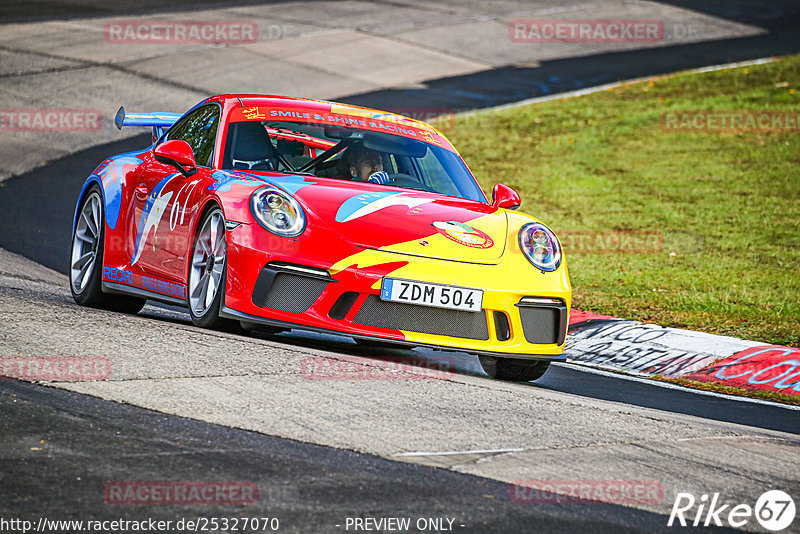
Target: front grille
pixel 540 325
pixel 293 293
pixel 423 319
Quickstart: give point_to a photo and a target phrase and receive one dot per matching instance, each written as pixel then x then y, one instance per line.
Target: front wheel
pixel 512 369
pixel 86 260
pixel 207 272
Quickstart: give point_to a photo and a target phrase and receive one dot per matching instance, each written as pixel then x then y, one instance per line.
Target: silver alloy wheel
pixel 85 242
pixel 208 264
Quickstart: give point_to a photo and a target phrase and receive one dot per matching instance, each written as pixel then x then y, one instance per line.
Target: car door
pixel 165 204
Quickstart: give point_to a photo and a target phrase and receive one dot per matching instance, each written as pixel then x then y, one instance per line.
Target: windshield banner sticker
pixel 395 125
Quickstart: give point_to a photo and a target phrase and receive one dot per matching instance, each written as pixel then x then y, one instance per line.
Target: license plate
pixel 434 295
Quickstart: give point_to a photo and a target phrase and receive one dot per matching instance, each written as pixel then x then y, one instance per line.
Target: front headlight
pixel 278 212
pixel 540 246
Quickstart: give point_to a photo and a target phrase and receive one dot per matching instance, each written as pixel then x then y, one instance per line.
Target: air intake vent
pixel 423 319
pixel 540 325
pixel 293 293
pixel 342 306
pixel 501 326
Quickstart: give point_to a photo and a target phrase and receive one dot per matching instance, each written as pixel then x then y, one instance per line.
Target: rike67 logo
pixel 774 510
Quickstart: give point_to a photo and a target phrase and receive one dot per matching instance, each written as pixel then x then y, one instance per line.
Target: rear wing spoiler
pixel 159 120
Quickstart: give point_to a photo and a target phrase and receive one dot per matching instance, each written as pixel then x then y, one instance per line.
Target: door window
pixel 199 129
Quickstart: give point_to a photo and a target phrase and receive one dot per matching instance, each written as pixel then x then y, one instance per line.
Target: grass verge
pixel 717 213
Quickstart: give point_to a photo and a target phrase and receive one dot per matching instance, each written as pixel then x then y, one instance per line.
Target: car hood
pixel 408 221
pixel 401 220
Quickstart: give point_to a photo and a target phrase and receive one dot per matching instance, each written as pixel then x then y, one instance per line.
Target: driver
pixel 362 164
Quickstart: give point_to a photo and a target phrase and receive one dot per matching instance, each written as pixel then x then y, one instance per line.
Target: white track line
pixel 605 87
pixel 453 453
pixel 668 385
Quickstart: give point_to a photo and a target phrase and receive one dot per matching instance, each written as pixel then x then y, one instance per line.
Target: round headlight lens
pixel 278 212
pixel 540 246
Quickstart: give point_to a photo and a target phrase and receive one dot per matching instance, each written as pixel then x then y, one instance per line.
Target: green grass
pixel 726 204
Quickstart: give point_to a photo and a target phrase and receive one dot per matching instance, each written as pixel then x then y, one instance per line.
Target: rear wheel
pixel 207 272
pixel 86 259
pixel 515 370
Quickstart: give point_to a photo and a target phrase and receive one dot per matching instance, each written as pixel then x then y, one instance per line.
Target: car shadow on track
pixel 573 379
pixel 578 380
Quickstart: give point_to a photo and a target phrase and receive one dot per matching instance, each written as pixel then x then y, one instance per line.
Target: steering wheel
pixel 409 182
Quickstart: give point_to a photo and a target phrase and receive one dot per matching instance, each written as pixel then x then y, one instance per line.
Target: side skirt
pixel 122 289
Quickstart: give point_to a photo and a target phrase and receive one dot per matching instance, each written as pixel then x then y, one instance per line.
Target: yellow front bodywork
pixel 505 280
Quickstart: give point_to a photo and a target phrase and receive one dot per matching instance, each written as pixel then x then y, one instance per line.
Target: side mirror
pixel 178 154
pixel 505 197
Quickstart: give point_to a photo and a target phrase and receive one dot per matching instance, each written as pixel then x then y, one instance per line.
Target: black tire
pixel 208 317
pixel 513 369
pixel 87 289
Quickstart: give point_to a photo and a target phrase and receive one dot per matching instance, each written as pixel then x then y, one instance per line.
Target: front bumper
pixel 525 312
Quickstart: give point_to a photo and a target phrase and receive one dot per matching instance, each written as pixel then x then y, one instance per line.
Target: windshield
pixel 347 153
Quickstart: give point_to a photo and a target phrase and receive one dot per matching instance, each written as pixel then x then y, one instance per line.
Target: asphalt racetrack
pixel 185 404
pixel 37 211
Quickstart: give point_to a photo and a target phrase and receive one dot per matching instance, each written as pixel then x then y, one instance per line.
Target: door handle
pixel 142 190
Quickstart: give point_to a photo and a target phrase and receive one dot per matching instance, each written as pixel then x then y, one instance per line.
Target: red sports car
pixel 296 213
